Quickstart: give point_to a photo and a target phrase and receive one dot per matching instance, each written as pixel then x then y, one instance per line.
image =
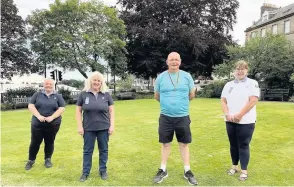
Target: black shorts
pixel 169 125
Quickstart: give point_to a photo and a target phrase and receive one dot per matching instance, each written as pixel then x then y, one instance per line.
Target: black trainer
pixel 83 178
pixel 103 175
pixel 190 177
pixel 29 164
pixel 160 176
pixel 48 163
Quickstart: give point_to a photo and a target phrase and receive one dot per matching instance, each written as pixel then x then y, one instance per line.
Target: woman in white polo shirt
pixel 238 99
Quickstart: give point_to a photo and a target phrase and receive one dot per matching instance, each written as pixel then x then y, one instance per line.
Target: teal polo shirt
pixel 174 97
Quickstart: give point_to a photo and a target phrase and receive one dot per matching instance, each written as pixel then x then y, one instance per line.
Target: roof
pixel 278 14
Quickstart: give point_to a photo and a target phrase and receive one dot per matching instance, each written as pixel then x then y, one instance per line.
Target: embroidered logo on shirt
pixel 231 88
pixel 87 100
pixel 102 97
pixel 54 97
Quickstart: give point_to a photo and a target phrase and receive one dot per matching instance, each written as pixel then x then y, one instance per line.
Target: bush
pixel 20 92
pixel 144 95
pixel 66 95
pixel 213 90
pixel 7 106
pixel 291 99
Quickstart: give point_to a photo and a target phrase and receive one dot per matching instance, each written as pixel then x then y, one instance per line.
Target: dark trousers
pixel 39 132
pixel 90 137
pixel 240 136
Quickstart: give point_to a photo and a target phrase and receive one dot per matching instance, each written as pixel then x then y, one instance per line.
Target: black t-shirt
pixel 95 110
pixel 47 105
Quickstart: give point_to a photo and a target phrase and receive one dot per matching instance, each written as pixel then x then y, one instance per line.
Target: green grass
pixel 134 151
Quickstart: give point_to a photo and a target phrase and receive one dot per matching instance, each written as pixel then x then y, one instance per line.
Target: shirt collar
pixel 53 92
pixel 244 80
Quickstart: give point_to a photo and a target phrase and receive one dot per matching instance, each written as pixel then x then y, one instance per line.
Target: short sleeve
pixel 61 102
pixel 191 82
pixel 34 98
pixel 80 100
pixel 225 91
pixel 157 84
pixel 110 100
pixel 254 89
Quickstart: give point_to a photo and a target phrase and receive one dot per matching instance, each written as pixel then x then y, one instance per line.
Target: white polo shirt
pixel 237 95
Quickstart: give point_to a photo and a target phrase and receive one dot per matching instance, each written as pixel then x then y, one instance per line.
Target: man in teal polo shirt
pixel 174 89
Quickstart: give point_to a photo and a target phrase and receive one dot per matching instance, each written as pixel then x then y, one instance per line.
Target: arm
pixel 32 108
pixel 111 113
pixel 157 96
pixel 192 94
pixel 59 111
pixel 250 104
pixel 79 120
pixel 35 112
pixel 226 109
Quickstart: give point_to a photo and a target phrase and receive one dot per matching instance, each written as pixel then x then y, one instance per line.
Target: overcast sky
pixel 249 11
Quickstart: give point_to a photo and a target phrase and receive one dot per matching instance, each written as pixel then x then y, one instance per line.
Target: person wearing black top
pixel 95 118
pixel 46 107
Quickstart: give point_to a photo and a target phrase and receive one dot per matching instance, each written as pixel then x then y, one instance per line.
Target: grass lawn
pixel 134 151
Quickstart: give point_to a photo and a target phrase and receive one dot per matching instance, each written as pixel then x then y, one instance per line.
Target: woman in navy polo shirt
pixel 95 104
pixel 239 98
pixel 46 107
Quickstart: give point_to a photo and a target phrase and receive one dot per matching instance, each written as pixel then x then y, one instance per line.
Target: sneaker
pixel 103 175
pixel 83 178
pixel 160 176
pixel 190 177
pixel 48 163
pixel 29 164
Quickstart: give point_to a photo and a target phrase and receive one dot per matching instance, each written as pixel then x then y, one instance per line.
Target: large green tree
pixel 271 60
pixel 197 29
pixel 78 35
pixel 15 55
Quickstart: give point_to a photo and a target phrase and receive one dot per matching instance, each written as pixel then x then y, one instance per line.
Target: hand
pixel 49 119
pixel 111 129
pixel 229 117
pixel 41 118
pixel 237 118
pixel 81 130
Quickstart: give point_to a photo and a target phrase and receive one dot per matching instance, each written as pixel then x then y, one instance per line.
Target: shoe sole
pixel 189 181
pixel 162 179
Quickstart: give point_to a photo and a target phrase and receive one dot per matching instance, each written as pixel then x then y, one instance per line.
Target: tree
pixel 197 29
pixel 77 35
pixel 126 83
pixel 271 60
pixel 15 56
pixel 73 83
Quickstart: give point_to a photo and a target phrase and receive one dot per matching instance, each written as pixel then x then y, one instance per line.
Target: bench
pixel 276 93
pixel 22 100
pixel 75 95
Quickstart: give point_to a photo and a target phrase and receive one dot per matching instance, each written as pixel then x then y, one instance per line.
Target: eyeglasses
pixel 240 69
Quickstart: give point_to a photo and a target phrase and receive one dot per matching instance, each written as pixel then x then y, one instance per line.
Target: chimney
pixel 267 7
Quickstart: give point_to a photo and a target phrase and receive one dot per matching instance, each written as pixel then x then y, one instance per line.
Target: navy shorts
pixel 170 125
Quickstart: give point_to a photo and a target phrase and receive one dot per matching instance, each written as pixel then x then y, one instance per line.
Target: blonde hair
pixel 88 82
pixel 241 64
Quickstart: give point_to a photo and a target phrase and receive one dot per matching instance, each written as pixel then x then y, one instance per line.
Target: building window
pixel 264 18
pixel 253 34
pixel 262 32
pixel 275 29
pixel 287 26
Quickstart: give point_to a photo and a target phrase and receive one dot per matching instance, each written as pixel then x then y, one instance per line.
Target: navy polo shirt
pixel 95 110
pixel 47 105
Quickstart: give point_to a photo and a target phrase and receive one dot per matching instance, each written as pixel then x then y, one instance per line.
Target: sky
pixel 249 11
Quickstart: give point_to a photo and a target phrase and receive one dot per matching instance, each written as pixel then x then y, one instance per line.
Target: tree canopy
pixel 15 55
pixel 197 29
pixel 78 35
